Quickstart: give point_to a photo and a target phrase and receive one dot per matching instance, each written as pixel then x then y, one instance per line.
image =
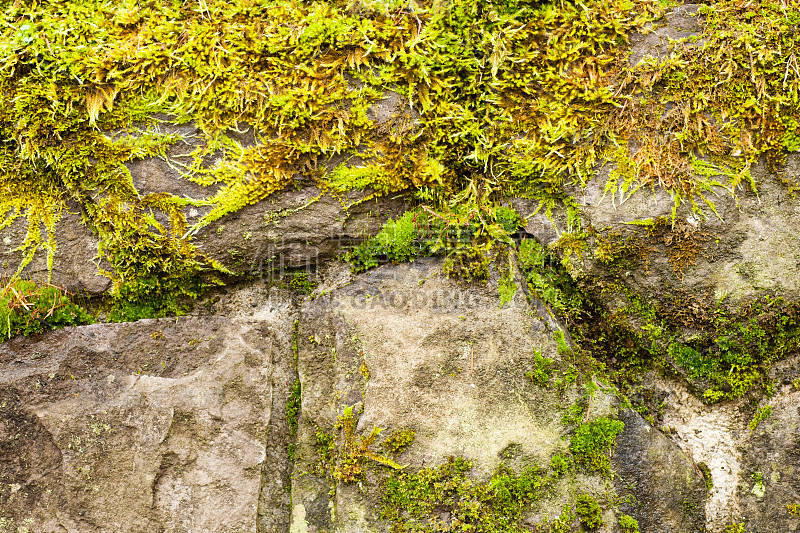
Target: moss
pixel 477 123
pixel 301 283
pixel 399 440
pixel 507 288
pixel 468 238
pixel 628 524
pixel 761 415
pixel 293 407
pixel 706 471
pixel 542 370
pixel 414 502
pixel 560 464
pixel 28 308
pixel 548 279
pixel 344 458
pixel 589 511
pixel 229 65
pixel 562 524
pixel 592 440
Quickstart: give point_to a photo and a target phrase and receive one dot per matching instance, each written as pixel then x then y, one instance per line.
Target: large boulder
pixel 403 348
pixel 159 425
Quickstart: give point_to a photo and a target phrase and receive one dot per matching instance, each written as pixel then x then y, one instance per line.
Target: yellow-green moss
pixel 302 77
pixel 498 98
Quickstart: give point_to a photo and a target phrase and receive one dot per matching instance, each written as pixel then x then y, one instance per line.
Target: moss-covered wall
pixel 494 100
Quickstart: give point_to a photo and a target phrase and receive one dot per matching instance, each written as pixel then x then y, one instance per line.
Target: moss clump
pixel 293 404
pixel 560 464
pixel 281 70
pixel 507 287
pixel 476 123
pixel 592 440
pixel 548 279
pixel 542 370
pixel 469 240
pixel 628 524
pixel 399 440
pixel 344 458
pixel 302 284
pixel 414 502
pixel 399 240
pixel 589 511
pixel 293 407
pixel 28 308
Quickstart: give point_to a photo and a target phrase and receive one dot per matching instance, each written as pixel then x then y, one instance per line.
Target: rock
pixel 161 425
pixel 407 349
pixel 745 249
pixel 293 229
pixel 770 468
pixel 680 23
pixel 659 485
pixel 75 264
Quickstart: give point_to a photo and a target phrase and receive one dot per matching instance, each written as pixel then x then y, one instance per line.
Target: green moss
pixel 548 279
pixel 592 440
pixel 28 308
pixel 475 124
pixel 589 511
pixel 343 458
pixel 562 524
pixel 283 69
pixel 628 524
pixel 560 464
pixel 706 471
pixel 542 370
pixel 302 284
pixel 507 288
pixel 414 502
pixel 293 407
pixel 761 415
pixel 468 239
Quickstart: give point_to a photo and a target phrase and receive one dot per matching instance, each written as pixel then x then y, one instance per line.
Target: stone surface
pixel 658 484
pixel 293 229
pixel 411 349
pixel 768 483
pixel 75 263
pixel 747 248
pixel 680 23
pixel 160 425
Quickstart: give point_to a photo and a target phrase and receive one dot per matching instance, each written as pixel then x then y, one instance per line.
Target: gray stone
pixel 768 482
pixel 658 484
pixel 293 229
pixel 159 425
pixel 75 261
pixel 410 349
